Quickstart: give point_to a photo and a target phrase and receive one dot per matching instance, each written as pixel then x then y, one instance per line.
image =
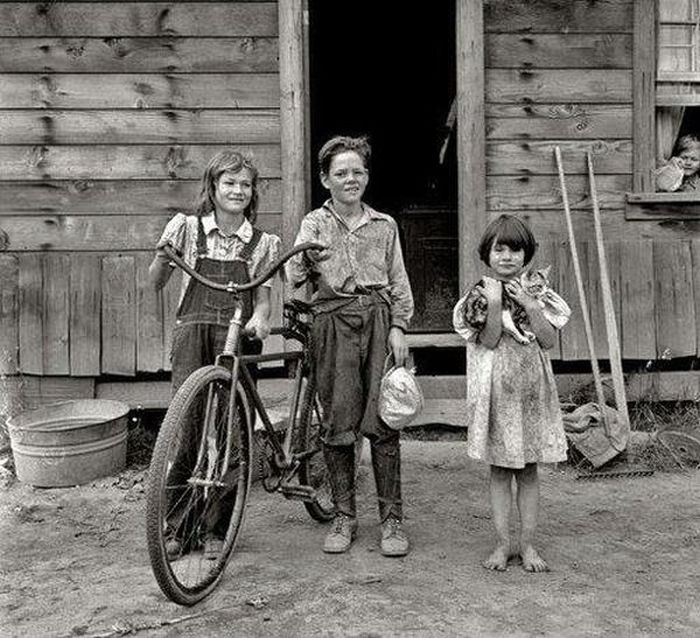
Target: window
pixel 667 110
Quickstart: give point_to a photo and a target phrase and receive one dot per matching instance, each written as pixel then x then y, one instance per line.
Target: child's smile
pixel 690 161
pixel 505 261
pixel 347 178
pixel 234 191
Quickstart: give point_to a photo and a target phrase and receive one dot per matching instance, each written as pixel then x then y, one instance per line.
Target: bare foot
pixel 532 561
pixel 498 559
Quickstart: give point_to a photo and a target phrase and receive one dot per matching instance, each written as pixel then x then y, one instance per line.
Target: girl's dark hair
pixel 226 161
pixel 341 144
pixel 511 231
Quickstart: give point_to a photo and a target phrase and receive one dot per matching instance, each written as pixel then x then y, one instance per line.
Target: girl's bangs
pixel 513 235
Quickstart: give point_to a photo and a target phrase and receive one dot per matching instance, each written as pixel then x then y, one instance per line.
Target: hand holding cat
pixel 492 289
pixel 516 292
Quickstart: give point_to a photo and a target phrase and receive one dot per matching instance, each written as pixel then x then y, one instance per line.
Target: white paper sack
pixel 400 398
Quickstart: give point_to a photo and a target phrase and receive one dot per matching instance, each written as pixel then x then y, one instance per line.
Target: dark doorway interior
pixel 387 70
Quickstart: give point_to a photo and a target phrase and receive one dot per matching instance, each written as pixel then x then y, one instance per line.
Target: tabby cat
pixel 514 317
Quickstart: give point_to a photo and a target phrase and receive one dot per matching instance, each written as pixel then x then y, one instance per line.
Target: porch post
pixel 644 95
pixel 292 117
pixel 471 146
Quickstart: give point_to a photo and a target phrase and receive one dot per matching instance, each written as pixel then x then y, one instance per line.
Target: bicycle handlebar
pixel 236 288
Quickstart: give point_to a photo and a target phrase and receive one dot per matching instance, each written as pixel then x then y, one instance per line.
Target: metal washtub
pixel 69 443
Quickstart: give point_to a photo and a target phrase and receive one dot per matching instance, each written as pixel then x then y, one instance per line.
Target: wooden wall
pixel 560 73
pixel 108 114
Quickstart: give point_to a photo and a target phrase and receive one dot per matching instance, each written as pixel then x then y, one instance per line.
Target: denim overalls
pixel 204 314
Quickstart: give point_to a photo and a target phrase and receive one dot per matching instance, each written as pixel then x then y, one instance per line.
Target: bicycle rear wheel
pixel 186 503
pixel 313 471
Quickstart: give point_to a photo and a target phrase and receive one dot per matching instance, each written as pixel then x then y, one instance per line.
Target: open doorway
pixel 388 71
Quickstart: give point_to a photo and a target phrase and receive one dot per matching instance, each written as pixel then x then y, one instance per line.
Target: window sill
pixel 662 206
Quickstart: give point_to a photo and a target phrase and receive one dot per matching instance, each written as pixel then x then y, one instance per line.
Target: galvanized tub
pixel 69 443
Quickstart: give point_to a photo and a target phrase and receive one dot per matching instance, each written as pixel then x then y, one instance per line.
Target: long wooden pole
pixel 581 290
pixel 610 322
pixel 292 109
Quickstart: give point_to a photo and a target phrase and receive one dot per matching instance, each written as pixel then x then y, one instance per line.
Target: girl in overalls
pixel 220 242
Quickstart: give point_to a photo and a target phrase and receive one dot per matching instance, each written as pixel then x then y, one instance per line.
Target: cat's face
pixel 535 281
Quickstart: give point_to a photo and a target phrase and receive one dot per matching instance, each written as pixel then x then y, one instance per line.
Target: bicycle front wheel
pixel 313 471
pixel 196 493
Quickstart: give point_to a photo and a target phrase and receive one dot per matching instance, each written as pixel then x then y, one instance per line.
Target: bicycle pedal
pixel 298 492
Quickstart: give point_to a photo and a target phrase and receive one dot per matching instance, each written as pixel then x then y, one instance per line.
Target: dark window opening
pixel 678 143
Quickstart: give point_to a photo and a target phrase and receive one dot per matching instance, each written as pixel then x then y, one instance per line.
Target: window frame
pixel 644 202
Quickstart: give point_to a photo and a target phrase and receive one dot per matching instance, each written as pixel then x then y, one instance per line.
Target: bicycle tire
pixel 183 513
pixel 312 470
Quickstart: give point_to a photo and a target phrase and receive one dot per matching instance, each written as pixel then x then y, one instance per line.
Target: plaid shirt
pixel 181 232
pixel 366 258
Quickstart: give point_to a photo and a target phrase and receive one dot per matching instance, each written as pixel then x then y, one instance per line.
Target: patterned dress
pixel 513 409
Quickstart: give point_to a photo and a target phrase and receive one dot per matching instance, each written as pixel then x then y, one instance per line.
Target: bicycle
pixel 201 469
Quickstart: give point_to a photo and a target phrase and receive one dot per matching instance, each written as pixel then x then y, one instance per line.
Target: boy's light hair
pixel 341 144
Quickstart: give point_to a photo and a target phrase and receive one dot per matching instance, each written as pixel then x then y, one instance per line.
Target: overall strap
pixel 201 238
pixel 247 251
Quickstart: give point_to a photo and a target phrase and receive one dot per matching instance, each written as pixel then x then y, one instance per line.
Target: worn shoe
pixel 340 537
pixel 394 539
pixel 213 546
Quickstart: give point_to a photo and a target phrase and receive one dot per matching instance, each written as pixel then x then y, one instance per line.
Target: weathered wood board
pixel 142 197
pixel 118 315
pixel 56 313
pixel 676 325
pixel 149 318
pixel 9 314
pixel 85 313
pixel 170 54
pixel 167 19
pixel 552 85
pixel 31 303
pixel 139 125
pixel 114 162
pixel 537 157
pixel 95 232
pixel 558 121
pixel 558 50
pixel 565 16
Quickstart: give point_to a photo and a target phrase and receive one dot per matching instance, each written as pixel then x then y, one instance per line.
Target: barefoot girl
pixel 512 404
pixel 220 242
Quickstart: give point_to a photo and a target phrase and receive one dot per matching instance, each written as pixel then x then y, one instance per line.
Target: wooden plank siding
pixel 9 314
pixel 109 113
pixel 132 197
pixel 562 74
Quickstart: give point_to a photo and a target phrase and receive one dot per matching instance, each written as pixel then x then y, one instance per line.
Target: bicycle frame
pixel 230 358
pixel 284 459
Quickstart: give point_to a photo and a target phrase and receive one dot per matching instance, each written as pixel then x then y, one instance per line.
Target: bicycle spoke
pixel 197 496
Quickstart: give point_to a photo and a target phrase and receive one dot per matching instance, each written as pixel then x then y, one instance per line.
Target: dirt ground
pixel 624 557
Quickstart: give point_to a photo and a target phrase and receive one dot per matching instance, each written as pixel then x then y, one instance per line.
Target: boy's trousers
pixel 349 347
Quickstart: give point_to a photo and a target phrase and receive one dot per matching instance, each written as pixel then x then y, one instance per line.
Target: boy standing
pixel 362 305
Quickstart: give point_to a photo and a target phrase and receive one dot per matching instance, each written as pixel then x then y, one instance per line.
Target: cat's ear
pixel 546 270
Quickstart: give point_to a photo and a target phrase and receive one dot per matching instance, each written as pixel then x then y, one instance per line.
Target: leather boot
pixel 386 465
pixel 340 461
pixel 340 537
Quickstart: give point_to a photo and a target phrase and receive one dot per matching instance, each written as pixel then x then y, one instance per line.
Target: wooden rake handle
pixel 581 290
pixel 609 311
